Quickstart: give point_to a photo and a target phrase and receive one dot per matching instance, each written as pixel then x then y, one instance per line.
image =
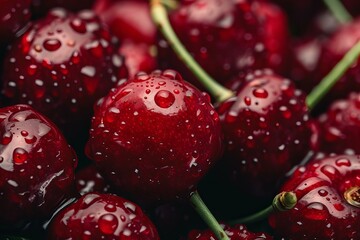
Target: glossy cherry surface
pixel 324 188
pixel 36 166
pixel 102 216
pixel 152 131
pixel 42 7
pixel 237 232
pixel 266 131
pixel 61 66
pixel 88 179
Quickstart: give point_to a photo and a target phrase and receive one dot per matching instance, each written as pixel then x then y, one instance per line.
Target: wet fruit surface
pixel 61 66
pixel 36 166
pixel 266 131
pixel 88 179
pixel 102 216
pixel 152 131
pixel 328 203
pixel 237 232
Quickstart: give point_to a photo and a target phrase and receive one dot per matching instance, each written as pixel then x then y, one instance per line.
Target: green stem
pixel 282 202
pixel 170 4
pixel 330 79
pixel 338 10
pixel 208 218
pixel 161 19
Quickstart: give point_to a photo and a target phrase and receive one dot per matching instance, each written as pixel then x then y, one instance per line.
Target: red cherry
pixel 36 166
pixel 14 15
pixel 89 179
pixel 152 131
pixel 237 232
pixel 266 131
pixel 128 19
pixel 140 57
pixel 42 7
pixel 61 66
pixel 339 128
pixel 225 37
pixel 100 216
pixel 328 201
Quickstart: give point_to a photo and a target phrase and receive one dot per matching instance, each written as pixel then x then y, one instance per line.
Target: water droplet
pixel 32 69
pixel 329 171
pixel 147 91
pixel 141 77
pixel 78 25
pixel 88 71
pixel 164 99
pixel 247 101
pixel 285 112
pixel 30 140
pixel 24 133
pixel 260 93
pixel 52 44
pixel 323 192
pixel 20 156
pixel 75 58
pixel 343 162
pixel 162 83
pixel 123 218
pixel 38 48
pixel 316 211
pixel 339 207
pixel 6 138
pixel 108 223
pixel 176 91
pixel 110 207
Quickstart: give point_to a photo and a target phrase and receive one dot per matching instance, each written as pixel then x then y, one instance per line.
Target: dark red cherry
pixel 61 66
pixel 14 16
pixel 340 126
pixel 333 51
pixel 88 179
pixel 328 201
pixel 128 19
pixel 140 57
pixel 266 131
pixel 102 216
pixel 42 7
pixel 36 166
pixel 237 232
pixel 224 37
pixel 155 136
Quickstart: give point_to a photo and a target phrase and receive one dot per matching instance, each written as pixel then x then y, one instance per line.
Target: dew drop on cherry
pixel 164 99
pixel 6 138
pixel 52 44
pixel 110 207
pixel 343 162
pixel 260 93
pixel 247 101
pixel 323 192
pixel 108 223
pixel 78 26
pixel 20 156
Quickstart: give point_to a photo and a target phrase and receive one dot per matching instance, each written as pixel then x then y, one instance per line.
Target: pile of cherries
pixel 105 133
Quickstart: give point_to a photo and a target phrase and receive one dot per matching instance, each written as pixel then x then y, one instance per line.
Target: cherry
pixel 237 232
pixel 120 17
pixel 14 16
pixel 225 37
pixel 36 166
pixel 88 179
pixel 42 7
pixel 266 131
pixel 140 57
pixel 61 66
pixel 340 43
pixel 328 201
pixel 152 131
pixel 340 126
pixel 102 216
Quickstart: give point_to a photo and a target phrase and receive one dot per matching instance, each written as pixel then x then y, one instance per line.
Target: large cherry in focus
pixel 226 37
pixel 102 217
pixel 61 66
pixel 36 166
pixel 328 201
pixel 155 136
pixel 266 131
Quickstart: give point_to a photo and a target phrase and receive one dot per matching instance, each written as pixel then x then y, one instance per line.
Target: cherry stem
pixel 282 202
pixel 338 10
pixel 207 216
pixel 171 4
pixel 160 17
pixel 331 78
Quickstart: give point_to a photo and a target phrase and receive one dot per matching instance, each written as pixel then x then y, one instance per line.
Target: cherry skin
pixel 328 201
pixel 266 131
pixel 36 166
pixel 102 216
pixel 14 16
pixel 155 136
pixel 42 7
pixel 88 179
pixel 61 66
pixel 237 232
pixel 339 127
pixel 224 37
